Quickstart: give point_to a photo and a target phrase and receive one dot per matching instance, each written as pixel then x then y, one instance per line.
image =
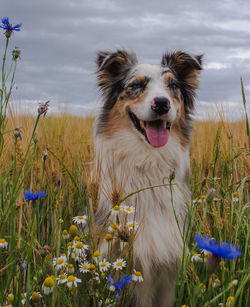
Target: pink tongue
pixel 157 133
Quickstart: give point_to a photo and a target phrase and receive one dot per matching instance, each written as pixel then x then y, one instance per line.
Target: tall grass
pixel 54 154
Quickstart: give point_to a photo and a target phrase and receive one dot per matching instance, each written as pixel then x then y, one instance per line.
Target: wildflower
pixel 36 297
pixel 184 305
pixel 61 279
pixel 24 265
pixel 70 268
pixel 96 277
pixel 113 227
pixel 72 281
pixel 34 196
pixel 96 255
pixel 132 225
pixel 137 276
pixel 73 230
pixel 18 133
pixel 210 195
pixel 119 285
pixel 79 248
pixel 16 54
pixel 45 155
pixel 224 250
pixel 116 209
pixel 235 197
pixel 43 108
pixel 119 264
pixel 202 287
pixel 23 298
pixel 235 282
pixel 104 265
pixel 172 175
pixel 3 243
pixel 60 262
pixel 9 29
pixel 196 257
pixel 230 299
pixel 92 267
pixel 10 298
pixel 108 237
pixel 80 220
pixel 48 285
pixel 58 183
pixel 128 209
pixel 216 283
pixel 84 267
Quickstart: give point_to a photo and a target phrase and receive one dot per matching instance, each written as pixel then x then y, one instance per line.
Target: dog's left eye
pixel 173 86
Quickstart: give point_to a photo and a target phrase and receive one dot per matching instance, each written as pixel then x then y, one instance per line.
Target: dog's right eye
pixel 135 86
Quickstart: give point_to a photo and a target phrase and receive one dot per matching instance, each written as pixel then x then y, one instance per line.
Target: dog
pixel 142 135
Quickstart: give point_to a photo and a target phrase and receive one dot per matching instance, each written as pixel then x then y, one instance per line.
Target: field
pixel 46 259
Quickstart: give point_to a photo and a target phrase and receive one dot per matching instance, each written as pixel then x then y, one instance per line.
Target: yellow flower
pixel 92 266
pixel 96 254
pixel 108 237
pixel 73 230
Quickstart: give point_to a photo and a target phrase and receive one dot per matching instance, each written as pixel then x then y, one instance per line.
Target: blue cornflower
pixel 34 196
pixel 119 285
pixel 224 250
pixel 8 27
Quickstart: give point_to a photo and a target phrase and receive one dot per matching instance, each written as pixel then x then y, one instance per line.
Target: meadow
pixel 47 195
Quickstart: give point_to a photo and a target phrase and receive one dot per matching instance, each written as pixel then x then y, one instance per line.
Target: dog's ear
pixel 113 67
pixel 186 66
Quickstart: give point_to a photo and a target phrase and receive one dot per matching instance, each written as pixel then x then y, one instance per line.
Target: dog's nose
pixel 160 105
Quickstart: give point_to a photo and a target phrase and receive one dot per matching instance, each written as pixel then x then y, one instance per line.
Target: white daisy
pixel 137 276
pixel 216 283
pixel 80 219
pixel 96 255
pixel 113 227
pixel 196 257
pixel 84 267
pixel 36 297
pixel 3 243
pixel 65 234
pixel 119 264
pixel 104 265
pixel 48 285
pixel 60 262
pixel 115 210
pixel 70 268
pixel 23 298
pixel 79 248
pixel 72 281
pixel 61 279
pixel 128 209
pixel 132 225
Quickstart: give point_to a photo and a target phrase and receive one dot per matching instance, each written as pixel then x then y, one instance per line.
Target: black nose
pixel 160 105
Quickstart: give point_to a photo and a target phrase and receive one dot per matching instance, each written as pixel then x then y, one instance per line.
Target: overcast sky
pixel 59 40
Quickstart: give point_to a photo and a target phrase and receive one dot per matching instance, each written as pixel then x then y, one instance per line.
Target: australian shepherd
pixel 142 134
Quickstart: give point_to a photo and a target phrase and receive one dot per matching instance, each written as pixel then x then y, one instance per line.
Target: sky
pixel 59 41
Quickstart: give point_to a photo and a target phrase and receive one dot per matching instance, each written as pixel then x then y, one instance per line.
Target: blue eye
pixel 173 86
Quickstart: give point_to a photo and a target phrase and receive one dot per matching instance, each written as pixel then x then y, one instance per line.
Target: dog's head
pixel 148 100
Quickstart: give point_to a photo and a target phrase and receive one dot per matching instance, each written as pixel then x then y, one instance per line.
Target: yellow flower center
pixel 194 254
pixel 79 245
pixel 128 209
pixel 230 299
pixel 71 278
pixel 116 208
pixel 73 230
pixel 106 302
pixel 203 196
pixel 85 267
pixel 65 232
pixel 131 225
pixel 119 263
pixel 217 281
pixel 109 237
pixel 102 275
pixel 35 297
pixel 60 261
pixel 11 299
pixel 49 282
pixel 2 241
pixel 22 296
pixel 114 225
pixel 76 238
pixel 96 254
pixel 235 194
pixel 70 266
pixel 62 276
pixel 80 217
pixel 103 264
pixel 92 267
pixel 137 273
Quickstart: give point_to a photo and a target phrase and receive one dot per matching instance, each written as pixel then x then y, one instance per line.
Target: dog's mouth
pixel 156 132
